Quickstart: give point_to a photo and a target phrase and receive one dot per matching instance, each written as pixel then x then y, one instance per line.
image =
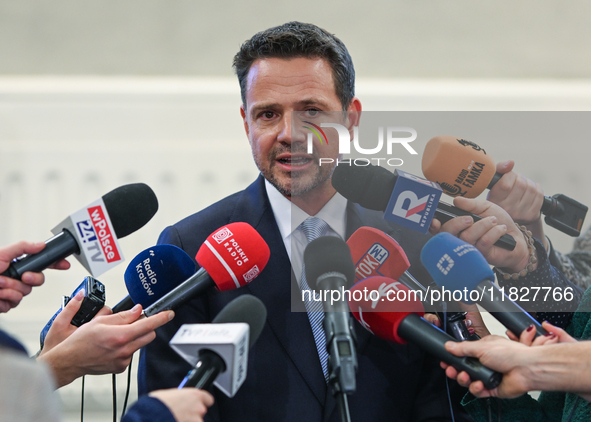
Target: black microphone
pixel 87 233
pixel 329 267
pixel 373 187
pixel 245 308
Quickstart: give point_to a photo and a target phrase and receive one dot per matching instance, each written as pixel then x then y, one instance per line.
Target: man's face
pixel 275 88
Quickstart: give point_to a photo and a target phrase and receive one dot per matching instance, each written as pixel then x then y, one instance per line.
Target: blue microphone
pixel 458 266
pixel 153 273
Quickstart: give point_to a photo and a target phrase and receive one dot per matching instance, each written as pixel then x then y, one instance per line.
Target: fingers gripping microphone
pixel 377 254
pixel 231 257
pixel 153 273
pixel 458 266
pixel 224 357
pixel 329 267
pixel 91 233
pixel 462 168
pixel 389 310
pixel 406 199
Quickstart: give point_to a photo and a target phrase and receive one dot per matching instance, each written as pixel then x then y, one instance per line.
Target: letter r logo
pixel 409 205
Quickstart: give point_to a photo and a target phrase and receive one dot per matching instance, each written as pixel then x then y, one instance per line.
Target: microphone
pixel 92 232
pixel 153 273
pixel 462 168
pixel 377 254
pixel 458 266
pixel 328 266
pixel 220 348
pixel 230 257
pixel 407 200
pixel 392 312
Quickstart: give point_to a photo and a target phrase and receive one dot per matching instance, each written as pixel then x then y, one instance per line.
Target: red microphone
pixel 390 310
pixel 230 257
pixel 375 253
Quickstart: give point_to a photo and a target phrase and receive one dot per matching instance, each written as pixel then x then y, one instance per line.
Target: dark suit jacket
pixel 284 380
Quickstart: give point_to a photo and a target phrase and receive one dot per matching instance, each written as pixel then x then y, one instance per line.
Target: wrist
pixel 527 264
pixel 62 367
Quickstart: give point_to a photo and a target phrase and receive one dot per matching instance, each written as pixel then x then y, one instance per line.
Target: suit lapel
pixel 292 329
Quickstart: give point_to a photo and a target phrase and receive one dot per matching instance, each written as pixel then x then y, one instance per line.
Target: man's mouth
pixel 295 160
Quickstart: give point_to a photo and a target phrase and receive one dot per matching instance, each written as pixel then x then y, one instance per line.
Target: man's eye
pixel 313 113
pixel 268 115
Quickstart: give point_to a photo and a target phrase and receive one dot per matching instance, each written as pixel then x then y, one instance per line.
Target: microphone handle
pixel 125 305
pixel 340 336
pixel 446 212
pixel 550 206
pixel 57 248
pixel 504 310
pixel 206 370
pixel 562 212
pixel 456 327
pixel 431 339
pixel 195 285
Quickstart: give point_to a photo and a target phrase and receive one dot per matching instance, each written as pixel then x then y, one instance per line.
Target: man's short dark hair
pixel 294 40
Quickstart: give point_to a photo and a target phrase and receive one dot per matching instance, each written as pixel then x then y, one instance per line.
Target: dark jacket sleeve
pixel 545 291
pixel 148 409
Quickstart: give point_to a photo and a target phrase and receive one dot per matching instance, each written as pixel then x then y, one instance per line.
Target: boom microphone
pixel 230 257
pixel 392 312
pixel 462 168
pixel 406 199
pixel 153 273
pixel 91 233
pixel 215 346
pixel 458 266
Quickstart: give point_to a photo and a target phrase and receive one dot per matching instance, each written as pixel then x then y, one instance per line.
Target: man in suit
pixel 296 68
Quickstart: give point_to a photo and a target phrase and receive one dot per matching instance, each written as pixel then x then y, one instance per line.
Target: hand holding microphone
pixel 92 232
pixel 406 200
pixel 462 168
pixel 484 234
pixel 102 346
pixel 12 290
pixel 458 266
pixel 375 253
pixel 389 310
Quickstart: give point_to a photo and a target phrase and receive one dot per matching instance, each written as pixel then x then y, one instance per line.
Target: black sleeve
pixel 545 291
pixel 148 409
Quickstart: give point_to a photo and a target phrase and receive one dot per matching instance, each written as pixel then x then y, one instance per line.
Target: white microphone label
pixel 229 340
pixel 92 227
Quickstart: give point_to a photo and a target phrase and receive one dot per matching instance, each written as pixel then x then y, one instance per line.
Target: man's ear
pixel 353 114
pixel 243 114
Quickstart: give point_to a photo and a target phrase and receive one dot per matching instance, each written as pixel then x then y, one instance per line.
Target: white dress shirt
pixel 289 216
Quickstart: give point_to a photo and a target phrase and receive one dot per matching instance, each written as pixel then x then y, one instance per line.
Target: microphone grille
pixel 369 186
pixel 245 308
pixel 325 255
pixel 130 207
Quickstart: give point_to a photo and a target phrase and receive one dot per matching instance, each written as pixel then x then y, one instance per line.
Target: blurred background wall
pixel 100 93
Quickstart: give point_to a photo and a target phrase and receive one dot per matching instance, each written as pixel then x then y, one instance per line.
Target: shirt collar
pixel 290 216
